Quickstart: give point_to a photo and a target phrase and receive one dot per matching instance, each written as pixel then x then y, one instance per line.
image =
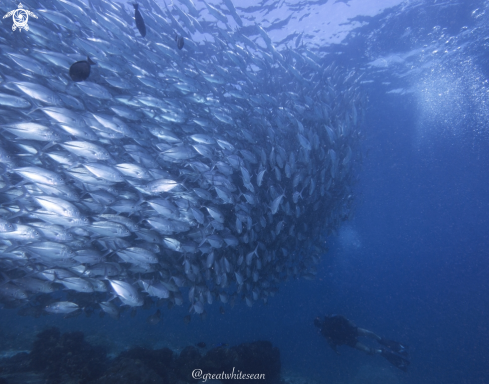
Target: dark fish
pixel 180 41
pixel 187 319
pixel 221 310
pixel 139 20
pixel 201 344
pixel 155 318
pixel 81 70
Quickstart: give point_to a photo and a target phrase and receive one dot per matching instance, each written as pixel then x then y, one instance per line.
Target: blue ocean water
pixel 412 263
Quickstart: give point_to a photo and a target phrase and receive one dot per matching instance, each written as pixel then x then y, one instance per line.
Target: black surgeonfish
pixel 139 20
pixel 80 70
pixel 180 41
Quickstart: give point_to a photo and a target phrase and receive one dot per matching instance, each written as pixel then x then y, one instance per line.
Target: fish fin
pixel 47 146
pixel 90 61
pixel 35 107
pixel 107 253
pixel 139 202
pixel 56 278
pixel 21 212
pixel 25 193
pixel 256 249
pixel 7 187
pixel 9 249
pixel 85 192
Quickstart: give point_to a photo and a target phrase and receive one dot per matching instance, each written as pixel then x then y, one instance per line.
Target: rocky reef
pixel 58 358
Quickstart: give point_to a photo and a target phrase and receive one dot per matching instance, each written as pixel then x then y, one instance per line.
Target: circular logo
pixel 20 17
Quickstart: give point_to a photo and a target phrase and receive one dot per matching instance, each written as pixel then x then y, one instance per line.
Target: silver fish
pixel 127 293
pixel 33 131
pixel 63 307
pixel 219 176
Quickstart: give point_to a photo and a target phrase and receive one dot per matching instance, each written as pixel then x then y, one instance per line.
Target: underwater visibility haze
pixel 188 185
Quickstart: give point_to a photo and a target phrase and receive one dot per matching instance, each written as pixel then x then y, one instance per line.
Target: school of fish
pixel 208 169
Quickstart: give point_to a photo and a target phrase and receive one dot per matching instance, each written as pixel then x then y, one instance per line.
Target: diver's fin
pixel 396 359
pixel 394 346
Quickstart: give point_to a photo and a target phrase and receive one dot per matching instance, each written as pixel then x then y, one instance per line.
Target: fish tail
pixel 35 107
pixel 49 145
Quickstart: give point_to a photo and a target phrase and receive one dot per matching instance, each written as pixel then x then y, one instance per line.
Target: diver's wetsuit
pixel 338 330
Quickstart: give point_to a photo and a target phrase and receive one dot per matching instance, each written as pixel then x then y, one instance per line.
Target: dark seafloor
pixel 412 264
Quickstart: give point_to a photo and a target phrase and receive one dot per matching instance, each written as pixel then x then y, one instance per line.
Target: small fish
pixel 110 309
pixel 187 319
pixel 180 41
pixel 201 344
pixel 154 318
pixel 81 70
pixel 221 310
pixel 127 293
pixel 139 20
pixel 63 307
pixel 217 345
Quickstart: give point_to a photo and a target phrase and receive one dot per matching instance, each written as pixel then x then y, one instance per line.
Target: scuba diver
pixel 338 330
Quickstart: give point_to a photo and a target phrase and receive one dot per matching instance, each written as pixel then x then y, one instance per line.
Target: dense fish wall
pixel 213 171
